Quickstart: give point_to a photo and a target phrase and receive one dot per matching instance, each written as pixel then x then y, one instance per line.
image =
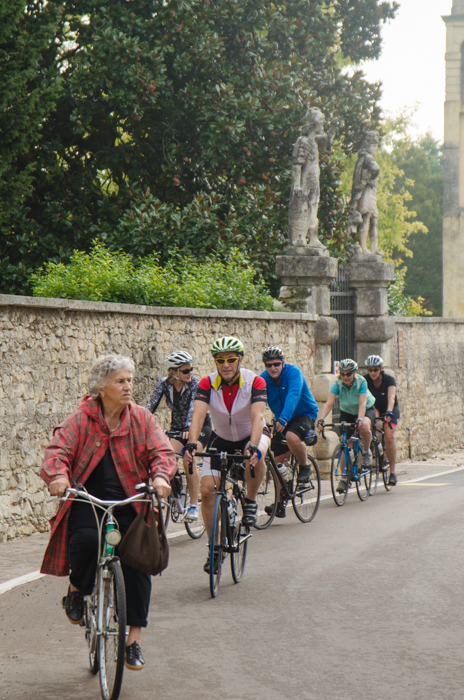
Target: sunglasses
pixel 186 371
pixel 272 364
pixel 228 360
pixel 346 374
pixel 373 369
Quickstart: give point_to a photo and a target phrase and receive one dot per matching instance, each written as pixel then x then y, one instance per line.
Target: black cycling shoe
pixel 250 513
pixel 73 604
pixel 304 474
pixel 280 510
pixel 134 658
pixel 207 565
pixel 392 480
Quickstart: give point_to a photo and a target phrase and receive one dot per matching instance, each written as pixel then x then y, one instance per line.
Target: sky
pixel 412 65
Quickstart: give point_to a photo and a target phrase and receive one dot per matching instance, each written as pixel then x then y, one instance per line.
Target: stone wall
pixel 48 345
pixel 430 384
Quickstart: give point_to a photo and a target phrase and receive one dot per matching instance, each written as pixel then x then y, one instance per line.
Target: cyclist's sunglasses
pixel 373 369
pixel 346 374
pixel 186 371
pixel 229 360
pixel 272 364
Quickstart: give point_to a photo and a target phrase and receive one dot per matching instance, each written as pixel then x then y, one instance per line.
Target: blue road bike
pixel 347 465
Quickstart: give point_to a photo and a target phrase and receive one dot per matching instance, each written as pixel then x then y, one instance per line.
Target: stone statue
pixel 363 216
pixel 304 194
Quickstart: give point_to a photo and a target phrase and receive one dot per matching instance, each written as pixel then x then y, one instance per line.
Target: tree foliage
pixel 102 275
pixel 198 102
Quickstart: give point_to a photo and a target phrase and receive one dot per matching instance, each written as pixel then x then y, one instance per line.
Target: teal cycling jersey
pixel 348 398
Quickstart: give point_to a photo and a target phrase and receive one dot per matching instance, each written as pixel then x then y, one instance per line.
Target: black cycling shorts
pixel 396 415
pixel 352 418
pixel 299 425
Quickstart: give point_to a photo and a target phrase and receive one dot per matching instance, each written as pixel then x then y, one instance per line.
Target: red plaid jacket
pixel 139 449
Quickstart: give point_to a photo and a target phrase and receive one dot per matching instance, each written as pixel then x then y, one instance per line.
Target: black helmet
pixel 272 353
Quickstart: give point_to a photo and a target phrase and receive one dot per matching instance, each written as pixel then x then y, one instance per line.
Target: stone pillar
pixel 369 278
pixel 306 274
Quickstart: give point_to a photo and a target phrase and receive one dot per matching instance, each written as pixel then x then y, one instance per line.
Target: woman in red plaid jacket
pixel 109 444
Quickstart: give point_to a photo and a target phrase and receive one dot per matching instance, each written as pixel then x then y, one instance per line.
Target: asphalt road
pixel 363 603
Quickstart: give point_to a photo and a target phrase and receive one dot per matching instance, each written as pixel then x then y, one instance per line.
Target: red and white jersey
pixel 230 406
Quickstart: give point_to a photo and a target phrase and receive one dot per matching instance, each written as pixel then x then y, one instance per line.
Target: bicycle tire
pixel 363 480
pixel 238 558
pixel 267 496
pixel 196 528
pixel 386 472
pixel 375 467
pixel 306 498
pixel 112 640
pixel 90 633
pixel 336 474
pixel 217 541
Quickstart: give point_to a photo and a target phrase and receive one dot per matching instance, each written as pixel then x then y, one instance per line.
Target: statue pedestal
pixel 369 278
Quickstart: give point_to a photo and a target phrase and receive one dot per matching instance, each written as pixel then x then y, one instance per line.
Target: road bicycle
pixel 305 498
pixel 379 450
pixel 175 507
pixel 228 534
pixel 105 609
pixel 346 464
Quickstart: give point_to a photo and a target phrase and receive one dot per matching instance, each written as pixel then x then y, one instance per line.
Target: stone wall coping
pixel 110 307
pixel 426 319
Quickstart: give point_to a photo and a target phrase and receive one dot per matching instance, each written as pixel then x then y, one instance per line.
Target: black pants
pixel 83 556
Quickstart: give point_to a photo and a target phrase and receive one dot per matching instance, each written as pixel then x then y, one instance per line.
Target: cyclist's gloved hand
pixel 359 422
pixel 321 424
pixel 389 416
pixel 191 447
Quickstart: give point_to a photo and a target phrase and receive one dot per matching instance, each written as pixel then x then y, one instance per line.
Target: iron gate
pixel 342 308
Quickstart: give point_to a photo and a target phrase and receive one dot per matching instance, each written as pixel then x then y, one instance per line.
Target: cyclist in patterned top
pixel 236 398
pixel 179 389
pixel 356 406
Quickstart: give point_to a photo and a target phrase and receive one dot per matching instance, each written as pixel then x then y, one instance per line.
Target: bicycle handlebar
pixel 236 457
pixel 108 504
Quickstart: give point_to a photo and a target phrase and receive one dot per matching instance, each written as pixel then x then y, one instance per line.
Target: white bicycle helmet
pixel 374 361
pixel 178 358
pixel 348 365
pixel 227 344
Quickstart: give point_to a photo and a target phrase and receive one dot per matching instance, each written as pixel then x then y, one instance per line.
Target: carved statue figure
pixel 304 194
pixel 363 216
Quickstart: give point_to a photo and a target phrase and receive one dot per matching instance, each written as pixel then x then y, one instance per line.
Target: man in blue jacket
pixel 293 406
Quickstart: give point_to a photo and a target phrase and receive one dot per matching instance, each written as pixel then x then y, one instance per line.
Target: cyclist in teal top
pixel 356 406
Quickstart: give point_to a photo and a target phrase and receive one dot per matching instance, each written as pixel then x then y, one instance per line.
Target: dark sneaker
pixel 342 486
pixel 392 480
pixel 73 604
pixel 280 510
pixel 250 513
pixel 134 657
pixel 207 564
pixel 304 474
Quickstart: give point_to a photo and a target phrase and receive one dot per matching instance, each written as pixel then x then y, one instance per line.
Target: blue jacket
pixel 292 397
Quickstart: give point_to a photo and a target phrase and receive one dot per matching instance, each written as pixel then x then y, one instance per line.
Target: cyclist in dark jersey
pixel 383 388
pixel 179 389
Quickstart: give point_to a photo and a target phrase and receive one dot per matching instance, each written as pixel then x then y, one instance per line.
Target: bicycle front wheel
pixel 267 497
pixel 112 639
pixel 306 497
pixel 364 479
pixel 338 474
pixel 386 472
pixel 90 632
pixel 196 528
pixel 375 467
pixel 217 542
pixel 239 551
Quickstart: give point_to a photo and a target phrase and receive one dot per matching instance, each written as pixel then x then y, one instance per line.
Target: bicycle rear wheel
pixel 196 528
pixel 217 542
pixel 267 497
pixel 306 498
pixel 337 473
pixel 364 479
pixel 375 467
pixel 112 640
pixel 90 632
pixel 386 472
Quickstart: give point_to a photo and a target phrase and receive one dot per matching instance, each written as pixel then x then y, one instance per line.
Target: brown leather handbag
pixel 145 545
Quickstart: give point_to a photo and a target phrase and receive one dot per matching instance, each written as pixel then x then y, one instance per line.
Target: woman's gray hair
pixel 103 367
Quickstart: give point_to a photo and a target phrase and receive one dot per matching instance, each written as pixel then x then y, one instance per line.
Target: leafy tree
pixel 192 99
pixel 102 275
